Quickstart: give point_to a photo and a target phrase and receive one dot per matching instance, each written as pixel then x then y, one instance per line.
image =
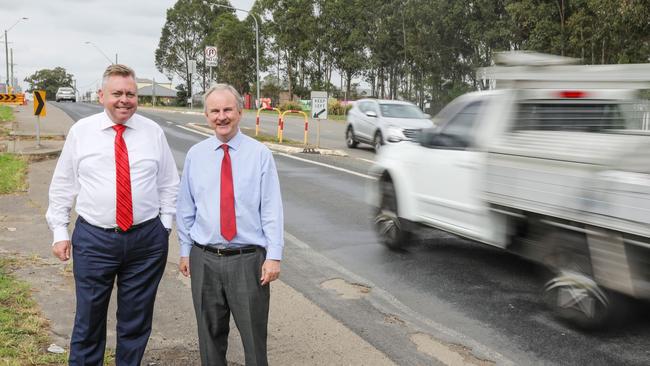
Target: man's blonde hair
pixel 117 70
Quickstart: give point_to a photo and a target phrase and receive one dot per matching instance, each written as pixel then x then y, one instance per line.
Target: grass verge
pixel 6 113
pixel 13 171
pixel 23 331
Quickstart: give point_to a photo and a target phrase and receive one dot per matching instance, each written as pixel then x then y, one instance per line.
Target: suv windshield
pixel 392 110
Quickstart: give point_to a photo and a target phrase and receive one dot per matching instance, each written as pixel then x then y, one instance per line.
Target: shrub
pixel 296 106
pixel 336 108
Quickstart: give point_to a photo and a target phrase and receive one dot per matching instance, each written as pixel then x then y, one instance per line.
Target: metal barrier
pixel 281 125
pixel 257 118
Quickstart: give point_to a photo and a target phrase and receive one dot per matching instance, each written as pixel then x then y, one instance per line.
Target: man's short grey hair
pixel 221 87
pixel 119 70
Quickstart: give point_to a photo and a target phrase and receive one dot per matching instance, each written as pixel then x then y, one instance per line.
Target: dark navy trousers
pixel 137 260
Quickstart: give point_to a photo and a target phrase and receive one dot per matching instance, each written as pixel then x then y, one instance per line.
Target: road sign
pixel 319 104
pixel 12 99
pixel 39 103
pixel 210 56
pixel 192 67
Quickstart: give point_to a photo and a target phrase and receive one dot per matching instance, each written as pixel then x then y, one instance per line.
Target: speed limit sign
pixel 210 56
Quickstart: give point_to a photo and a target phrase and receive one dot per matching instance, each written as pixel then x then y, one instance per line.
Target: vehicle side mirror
pixel 427 136
pixel 371 114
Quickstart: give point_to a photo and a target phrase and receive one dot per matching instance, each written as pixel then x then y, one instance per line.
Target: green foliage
pixel 49 80
pixel 335 107
pixel 23 331
pixel 235 41
pixel 296 106
pixel 12 173
pixel 187 27
pixel 6 113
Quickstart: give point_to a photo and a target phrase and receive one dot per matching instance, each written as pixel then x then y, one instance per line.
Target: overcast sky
pixel 57 31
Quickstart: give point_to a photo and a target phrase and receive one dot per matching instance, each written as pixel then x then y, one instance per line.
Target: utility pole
pixel 13 87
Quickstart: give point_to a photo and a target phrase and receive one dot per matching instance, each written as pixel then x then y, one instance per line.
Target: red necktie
pixel 227 199
pixel 124 205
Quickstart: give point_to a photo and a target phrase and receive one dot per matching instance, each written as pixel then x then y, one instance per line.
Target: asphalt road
pixel 440 292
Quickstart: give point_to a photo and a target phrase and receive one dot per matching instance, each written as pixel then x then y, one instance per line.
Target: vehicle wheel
pixel 388 225
pixel 576 298
pixel 572 293
pixel 350 140
pixel 377 141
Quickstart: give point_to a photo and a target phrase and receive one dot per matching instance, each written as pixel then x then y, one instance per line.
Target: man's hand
pixel 270 271
pixel 184 266
pixel 61 250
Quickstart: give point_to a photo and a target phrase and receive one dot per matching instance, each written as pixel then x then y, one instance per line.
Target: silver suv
pixel 377 122
pixel 65 93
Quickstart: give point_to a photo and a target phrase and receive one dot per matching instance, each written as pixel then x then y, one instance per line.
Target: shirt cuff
pixel 274 252
pixel 185 250
pixel 167 220
pixel 60 234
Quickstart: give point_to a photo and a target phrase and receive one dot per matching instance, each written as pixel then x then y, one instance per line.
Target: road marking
pixel 366 160
pixel 297 158
pixel 329 166
pixel 193 130
pixel 476 348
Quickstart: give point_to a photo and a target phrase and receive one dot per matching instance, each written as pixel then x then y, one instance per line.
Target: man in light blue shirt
pixel 232 250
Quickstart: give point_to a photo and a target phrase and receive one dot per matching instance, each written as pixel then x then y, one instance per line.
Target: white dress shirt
pixel 86 169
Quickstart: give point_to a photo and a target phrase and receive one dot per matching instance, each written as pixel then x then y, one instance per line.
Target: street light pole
pixel 102 52
pixel 257 43
pixel 7 51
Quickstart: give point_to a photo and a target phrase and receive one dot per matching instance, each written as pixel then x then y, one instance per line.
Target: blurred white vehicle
pixel 377 122
pixel 552 166
pixel 65 93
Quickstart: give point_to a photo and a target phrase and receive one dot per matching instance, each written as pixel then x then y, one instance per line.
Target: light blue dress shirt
pixel 258 202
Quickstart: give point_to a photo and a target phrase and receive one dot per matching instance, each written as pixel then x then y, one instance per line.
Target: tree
pixel 183 37
pixel 49 80
pixel 235 41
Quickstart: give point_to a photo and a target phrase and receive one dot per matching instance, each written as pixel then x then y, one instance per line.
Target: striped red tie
pixel 124 205
pixel 227 198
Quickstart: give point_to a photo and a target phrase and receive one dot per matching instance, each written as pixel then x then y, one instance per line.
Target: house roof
pixel 161 91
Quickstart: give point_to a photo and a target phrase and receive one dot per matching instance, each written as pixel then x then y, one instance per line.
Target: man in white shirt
pixel 119 167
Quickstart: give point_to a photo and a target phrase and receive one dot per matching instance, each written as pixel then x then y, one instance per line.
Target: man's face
pixel 119 98
pixel 222 114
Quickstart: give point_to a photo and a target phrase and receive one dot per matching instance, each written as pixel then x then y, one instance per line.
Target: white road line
pixel 297 158
pixel 193 130
pixel 366 160
pixel 329 166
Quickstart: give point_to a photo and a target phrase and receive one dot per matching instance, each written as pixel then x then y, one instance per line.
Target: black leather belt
pixel 228 251
pixel 117 229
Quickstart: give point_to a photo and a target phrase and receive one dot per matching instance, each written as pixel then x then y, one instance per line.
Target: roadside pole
pixel 318 111
pixel 39 110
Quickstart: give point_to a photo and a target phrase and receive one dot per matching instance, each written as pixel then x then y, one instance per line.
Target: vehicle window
pixel 460 127
pixel 363 107
pixel 400 111
pixel 562 116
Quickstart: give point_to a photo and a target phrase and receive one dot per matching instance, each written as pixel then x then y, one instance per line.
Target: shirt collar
pixel 233 143
pixel 106 121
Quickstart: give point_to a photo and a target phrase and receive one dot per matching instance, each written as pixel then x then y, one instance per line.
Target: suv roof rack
pixel 530 70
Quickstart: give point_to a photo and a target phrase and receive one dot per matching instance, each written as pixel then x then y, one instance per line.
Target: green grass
pixel 13 171
pixel 23 331
pixel 6 113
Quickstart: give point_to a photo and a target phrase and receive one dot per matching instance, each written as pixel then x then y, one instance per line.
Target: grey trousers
pixel 225 284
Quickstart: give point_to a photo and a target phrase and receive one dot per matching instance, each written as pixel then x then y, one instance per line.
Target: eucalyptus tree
pixel 183 38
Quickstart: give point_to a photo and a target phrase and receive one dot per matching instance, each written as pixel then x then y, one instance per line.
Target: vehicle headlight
pixel 394 134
